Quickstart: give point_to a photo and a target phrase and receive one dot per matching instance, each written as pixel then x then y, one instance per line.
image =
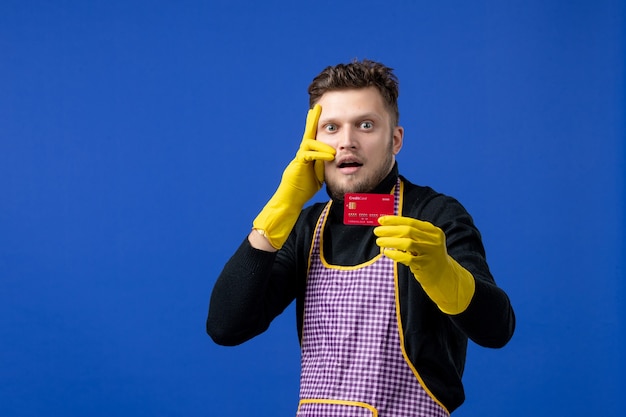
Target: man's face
pixel 358 125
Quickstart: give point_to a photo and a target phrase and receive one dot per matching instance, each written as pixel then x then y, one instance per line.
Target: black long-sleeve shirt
pixel 255 286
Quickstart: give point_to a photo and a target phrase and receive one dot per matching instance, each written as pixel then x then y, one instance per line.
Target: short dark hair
pixel 358 74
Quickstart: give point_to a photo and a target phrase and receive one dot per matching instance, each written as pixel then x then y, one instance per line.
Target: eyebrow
pixel 359 117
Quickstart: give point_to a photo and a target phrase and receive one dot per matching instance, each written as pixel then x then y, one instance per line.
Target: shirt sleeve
pixel 253 288
pixel 489 319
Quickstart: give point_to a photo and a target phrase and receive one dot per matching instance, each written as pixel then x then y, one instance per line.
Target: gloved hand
pixel 422 247
pixel 302 178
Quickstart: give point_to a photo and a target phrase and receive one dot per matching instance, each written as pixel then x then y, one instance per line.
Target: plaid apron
pixel 352 359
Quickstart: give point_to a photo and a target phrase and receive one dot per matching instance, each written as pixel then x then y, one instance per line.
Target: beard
pixel 361 183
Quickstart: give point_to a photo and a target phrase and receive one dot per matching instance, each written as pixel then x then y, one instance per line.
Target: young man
pixel 384 311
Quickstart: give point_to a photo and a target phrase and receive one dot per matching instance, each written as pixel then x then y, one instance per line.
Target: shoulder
pixel 425 203
pixel 310 214
pixel 300 236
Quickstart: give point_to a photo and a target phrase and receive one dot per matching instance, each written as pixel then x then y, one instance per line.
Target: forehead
pixel 352 102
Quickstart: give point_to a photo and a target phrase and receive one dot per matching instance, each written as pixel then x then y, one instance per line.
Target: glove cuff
pixel 275 221
pixel 453 292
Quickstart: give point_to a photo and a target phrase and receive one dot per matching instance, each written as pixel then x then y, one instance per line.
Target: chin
pixel 338 189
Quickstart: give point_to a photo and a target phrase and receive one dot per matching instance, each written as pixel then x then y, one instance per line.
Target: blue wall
pixel 138 140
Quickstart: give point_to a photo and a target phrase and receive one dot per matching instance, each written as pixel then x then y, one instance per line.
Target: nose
pixel 346 138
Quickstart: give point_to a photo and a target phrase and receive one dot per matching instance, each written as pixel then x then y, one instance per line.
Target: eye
pixel 330 127
pixel 367 125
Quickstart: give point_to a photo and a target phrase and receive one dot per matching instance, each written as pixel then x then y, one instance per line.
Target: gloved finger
pixel 398 256
pixel 318 167
pixel 312 150
pixel 314 145
pixel 312 118
pixel 411 234
pixel 309 156
pixel 414 241
pixel 418 230
pixel 400 244
pixel 396 231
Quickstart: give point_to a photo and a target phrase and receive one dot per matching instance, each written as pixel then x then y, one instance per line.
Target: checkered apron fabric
pixel 352 361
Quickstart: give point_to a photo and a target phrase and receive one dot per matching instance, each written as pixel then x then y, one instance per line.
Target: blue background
pixel 138 140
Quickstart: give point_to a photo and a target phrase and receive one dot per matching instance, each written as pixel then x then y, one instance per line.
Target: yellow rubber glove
pixel 302 178
pixel 422 247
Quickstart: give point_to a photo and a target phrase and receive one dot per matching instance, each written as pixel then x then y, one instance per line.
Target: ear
pixel 398 136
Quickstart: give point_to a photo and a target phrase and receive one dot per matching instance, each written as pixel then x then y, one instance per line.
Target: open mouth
pixel 348 161
pixel 349 165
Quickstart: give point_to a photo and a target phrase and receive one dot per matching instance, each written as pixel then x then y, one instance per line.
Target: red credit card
pixel 365 209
